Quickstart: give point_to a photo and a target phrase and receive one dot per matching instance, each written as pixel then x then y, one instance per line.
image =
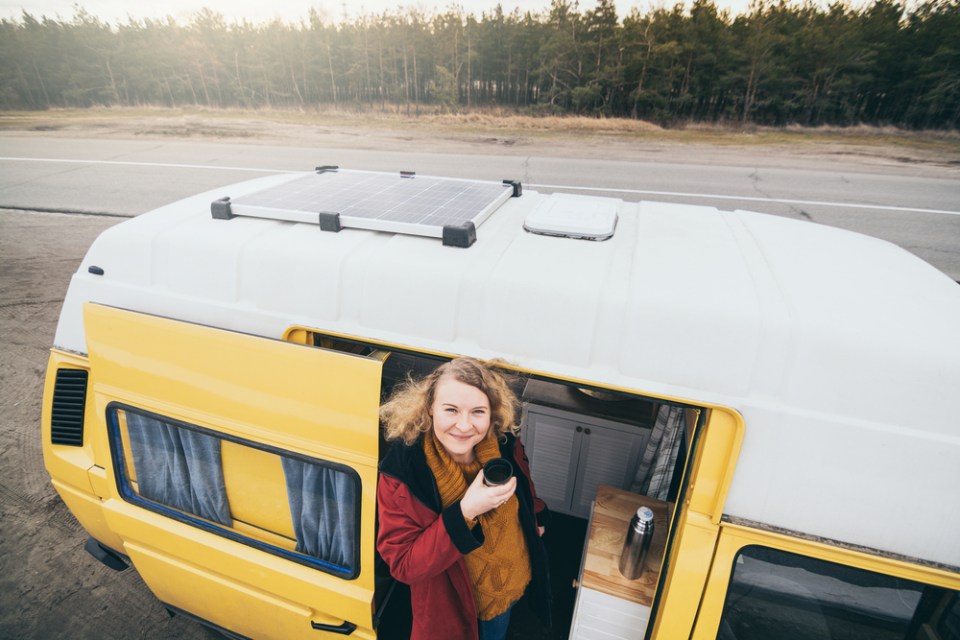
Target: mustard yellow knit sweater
pixel 500 569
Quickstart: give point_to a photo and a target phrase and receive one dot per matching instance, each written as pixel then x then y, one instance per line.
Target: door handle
pixel 345 629
pixel 579 429
pixel 587 431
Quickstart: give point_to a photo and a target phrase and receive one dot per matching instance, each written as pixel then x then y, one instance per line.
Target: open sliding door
pixel 243 475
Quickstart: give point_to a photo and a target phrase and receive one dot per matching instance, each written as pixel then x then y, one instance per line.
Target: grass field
pixel 474 121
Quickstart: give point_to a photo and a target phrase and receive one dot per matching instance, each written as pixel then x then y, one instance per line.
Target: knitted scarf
pixel 500 569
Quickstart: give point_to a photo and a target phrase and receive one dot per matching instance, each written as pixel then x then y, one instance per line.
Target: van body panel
pixel 855 473
pixel 261 398
pixel 268 390
pixel 236 561
pixel 89 512
pixel 715 462
pixel 182 543
pixel 245 470
pixel 687 571
pixel 99 481
pixel 672 320
pixel 250 609
pixel 695 527
pixel 871 358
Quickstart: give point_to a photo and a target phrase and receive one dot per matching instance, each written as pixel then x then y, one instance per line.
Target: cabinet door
pixel 608 455
pixel 552 445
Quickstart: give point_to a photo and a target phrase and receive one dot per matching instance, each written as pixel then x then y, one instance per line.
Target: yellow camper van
pixel 779 393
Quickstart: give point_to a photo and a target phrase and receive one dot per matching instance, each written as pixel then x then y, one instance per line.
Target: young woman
pixel 468 551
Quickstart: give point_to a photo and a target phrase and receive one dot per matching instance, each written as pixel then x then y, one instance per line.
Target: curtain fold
pixel 179 468
pixel 323 508
pixel 655 470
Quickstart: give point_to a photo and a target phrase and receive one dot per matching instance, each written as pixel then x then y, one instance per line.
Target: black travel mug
pixel 497 472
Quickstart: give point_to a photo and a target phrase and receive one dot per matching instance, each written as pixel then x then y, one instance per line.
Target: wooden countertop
pixel 608 531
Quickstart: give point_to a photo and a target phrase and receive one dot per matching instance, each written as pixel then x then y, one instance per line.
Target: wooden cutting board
pixel 612 511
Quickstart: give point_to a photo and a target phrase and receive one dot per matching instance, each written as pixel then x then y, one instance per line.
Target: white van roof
pixel 841 351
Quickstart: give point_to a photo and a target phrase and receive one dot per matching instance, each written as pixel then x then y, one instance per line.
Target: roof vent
pixel 570 216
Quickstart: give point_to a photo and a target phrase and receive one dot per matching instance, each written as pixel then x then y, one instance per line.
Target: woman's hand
pixel 480 498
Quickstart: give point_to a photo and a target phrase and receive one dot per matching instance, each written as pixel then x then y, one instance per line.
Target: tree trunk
pixel 296 87
pixel 416 82
pixel 333 79
pixel 236 68
pixel 113 82
pixel 406 80
pixel 203 82
pixel 750 94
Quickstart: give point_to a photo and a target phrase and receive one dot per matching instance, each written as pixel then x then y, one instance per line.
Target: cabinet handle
pixel 587 431
pixel 579 429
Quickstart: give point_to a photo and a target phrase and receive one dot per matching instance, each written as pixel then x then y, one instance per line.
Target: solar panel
pixel 399 203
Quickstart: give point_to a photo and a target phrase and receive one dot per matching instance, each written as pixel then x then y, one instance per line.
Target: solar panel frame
pixel 417 205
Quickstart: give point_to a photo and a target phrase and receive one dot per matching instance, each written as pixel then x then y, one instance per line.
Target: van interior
pixel 621 426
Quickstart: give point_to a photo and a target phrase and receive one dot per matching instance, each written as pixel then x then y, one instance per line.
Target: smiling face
pixel 461 417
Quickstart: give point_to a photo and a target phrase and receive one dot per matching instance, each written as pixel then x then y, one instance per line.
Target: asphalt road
pixel 914 206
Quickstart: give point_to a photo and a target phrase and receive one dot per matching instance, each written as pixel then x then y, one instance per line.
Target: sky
pixel 115 11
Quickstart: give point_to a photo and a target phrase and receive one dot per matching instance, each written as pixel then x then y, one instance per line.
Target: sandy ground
pixel 49 587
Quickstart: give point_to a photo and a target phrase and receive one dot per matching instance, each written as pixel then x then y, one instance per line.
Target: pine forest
pixel 776 64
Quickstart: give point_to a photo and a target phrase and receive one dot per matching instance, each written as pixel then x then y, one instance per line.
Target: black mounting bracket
pixel 517 187
pixel 462 235
pixel 220 209
pixel 330 221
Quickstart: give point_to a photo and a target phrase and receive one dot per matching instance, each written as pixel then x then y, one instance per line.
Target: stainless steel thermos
pixel 637 544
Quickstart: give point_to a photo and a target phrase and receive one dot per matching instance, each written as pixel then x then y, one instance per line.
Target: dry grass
pixel 497 126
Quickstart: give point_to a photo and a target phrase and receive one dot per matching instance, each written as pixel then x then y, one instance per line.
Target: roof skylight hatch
pixel 446 208
pixel 574 216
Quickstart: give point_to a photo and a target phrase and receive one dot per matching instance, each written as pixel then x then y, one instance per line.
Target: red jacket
pixel 424 544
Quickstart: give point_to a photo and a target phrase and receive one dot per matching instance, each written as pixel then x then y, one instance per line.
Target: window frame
pixel 734 538
pixel 129 495
pixel 790 602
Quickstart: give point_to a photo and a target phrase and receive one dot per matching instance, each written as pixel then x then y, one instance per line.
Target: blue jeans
pixel 495 629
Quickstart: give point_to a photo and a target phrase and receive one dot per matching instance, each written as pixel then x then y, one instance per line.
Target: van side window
pixel 302 509
pixel 776 594
pixel 949 627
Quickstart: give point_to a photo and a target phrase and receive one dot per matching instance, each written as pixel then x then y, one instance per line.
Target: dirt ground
pixel 50 587
pixel 932 152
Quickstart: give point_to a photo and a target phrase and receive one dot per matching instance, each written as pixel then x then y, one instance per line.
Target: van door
pixel 242 478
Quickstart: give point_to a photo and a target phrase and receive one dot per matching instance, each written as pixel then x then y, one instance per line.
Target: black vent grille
pixel 69 398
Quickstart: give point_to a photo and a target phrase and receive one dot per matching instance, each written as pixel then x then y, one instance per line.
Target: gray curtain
pixel 323 508
pixel 657 463
pixel 179 468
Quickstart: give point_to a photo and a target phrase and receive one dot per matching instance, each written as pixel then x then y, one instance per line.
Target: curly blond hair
pixel 406 414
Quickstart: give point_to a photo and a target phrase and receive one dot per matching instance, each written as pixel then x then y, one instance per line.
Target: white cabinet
pixel 601 616
pixel 572 454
